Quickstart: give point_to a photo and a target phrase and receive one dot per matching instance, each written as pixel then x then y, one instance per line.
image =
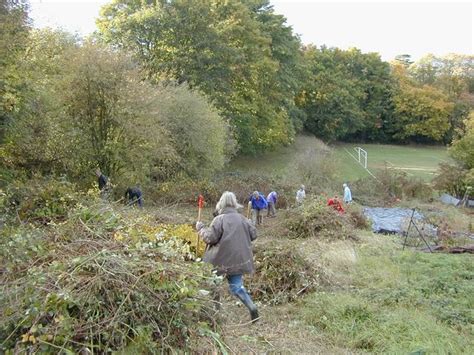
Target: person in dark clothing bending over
pixel 134 195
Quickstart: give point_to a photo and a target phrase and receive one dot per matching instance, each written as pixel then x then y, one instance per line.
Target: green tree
pixel 453 74
pixel 33 137
pixel 198 134
pixel 425 70
pixel 223 49
pixel 403 60
pixel 462 149
pixel 84 106
pixel 14 28
pixel 347 94
pixel 373 77
pixel 111 114
pixel 457 178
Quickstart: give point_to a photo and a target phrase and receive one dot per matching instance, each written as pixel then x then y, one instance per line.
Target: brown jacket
pixel 229 238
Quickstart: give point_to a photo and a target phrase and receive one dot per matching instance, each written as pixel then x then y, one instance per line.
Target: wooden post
pixel 200 206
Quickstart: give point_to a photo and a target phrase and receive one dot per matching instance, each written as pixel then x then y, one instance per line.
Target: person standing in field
pixel 300 195
pixel 258 203
pixel 347 194
pixel 272 200
pixel 104 185
pixel 229 238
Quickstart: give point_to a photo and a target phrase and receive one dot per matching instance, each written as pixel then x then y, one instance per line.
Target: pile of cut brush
pixel 101 282
pixel 281 275
pixel 316 219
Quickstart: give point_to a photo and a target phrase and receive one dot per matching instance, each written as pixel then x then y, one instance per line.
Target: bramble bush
pixel 40 200
pixel 390 186
pixel 103 280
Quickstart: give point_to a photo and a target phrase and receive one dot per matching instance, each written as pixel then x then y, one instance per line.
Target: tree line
pixel 165 88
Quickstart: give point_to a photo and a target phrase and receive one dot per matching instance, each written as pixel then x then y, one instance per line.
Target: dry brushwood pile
pixel 316 219
pixel 281 275
pixel 101 282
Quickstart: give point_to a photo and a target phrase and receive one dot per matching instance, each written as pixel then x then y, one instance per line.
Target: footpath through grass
pixel 416 161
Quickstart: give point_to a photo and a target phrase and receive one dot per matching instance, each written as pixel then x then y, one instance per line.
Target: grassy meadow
pixel 415 161
pixel 379 298
pixel 398 302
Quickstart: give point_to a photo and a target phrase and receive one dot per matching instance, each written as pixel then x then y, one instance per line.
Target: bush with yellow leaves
pixel 102 281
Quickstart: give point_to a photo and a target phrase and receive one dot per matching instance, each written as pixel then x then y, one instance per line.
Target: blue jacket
pixel 259 204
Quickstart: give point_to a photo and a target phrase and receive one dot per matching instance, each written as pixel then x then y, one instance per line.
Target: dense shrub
pixel 199 135
pixel 102 281
pixel 89 106
pixel 391 186
pixel 40 200
pixel 316 219
pixel 356 216
pixel 453 179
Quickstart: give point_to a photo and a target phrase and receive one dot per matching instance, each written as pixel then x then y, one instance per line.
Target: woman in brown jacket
pixel 230 251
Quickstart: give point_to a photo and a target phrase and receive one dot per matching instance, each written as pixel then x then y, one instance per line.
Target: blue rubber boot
pixel 247 301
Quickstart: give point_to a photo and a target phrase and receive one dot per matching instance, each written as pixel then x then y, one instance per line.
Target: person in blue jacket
pixel 258 203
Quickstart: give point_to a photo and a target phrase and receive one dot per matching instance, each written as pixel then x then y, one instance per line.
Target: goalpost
pixel 362 156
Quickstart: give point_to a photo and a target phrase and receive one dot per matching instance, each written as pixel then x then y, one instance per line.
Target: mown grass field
pixel 282 161
pixel 416 161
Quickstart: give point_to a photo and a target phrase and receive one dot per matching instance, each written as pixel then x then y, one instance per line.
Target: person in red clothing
pixel 336 204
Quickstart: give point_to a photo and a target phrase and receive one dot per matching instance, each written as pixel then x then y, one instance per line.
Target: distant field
pixel 417 161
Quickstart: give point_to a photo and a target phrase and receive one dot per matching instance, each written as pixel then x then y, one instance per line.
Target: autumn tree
pixel 453 74
pixel 462 149
pixel 33 138
pixel 421 111
pixel 457 178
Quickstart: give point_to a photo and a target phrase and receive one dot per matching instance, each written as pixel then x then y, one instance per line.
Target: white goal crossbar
pixel 362 156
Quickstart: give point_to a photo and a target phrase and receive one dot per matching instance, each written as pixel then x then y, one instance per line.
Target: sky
pixel 389 27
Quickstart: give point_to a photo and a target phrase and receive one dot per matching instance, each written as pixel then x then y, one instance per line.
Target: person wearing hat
pixel 258 203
